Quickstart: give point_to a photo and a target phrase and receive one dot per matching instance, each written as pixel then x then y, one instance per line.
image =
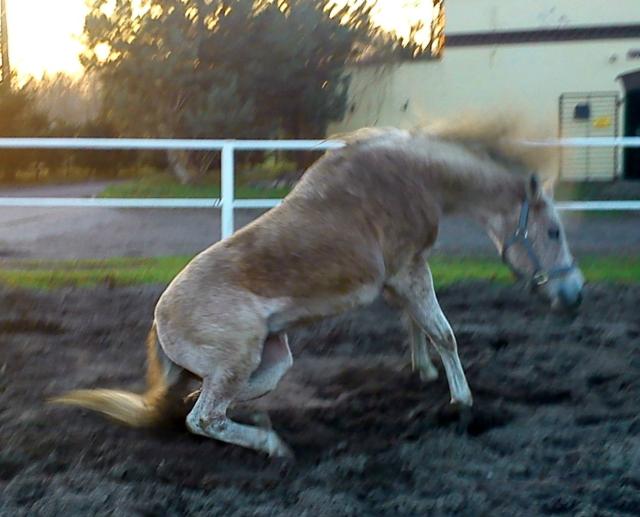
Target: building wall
pixel 499 15
pixel 523 78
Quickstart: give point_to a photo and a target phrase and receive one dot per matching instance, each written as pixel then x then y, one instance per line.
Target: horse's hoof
pixel 462 397
pixel 280 450
pixel 283 456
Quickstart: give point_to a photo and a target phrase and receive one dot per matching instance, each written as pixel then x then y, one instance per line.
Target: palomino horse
pixel 359 224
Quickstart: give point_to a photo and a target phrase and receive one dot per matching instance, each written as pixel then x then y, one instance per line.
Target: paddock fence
pixel 227 202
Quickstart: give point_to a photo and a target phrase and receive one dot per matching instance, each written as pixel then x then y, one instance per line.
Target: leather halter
pixel 540 276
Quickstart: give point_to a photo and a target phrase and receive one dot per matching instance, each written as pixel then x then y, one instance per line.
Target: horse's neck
pixel 480 192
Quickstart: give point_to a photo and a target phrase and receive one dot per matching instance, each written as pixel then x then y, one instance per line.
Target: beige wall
pixel 527 78
pixel 490 15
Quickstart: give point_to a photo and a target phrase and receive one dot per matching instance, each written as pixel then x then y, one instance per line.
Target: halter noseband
pixel 540 276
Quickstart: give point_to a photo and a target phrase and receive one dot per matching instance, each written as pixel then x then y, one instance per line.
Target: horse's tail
pixel 153 406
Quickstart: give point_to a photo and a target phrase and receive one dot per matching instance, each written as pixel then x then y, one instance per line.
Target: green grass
pixel 88 273
pixel 595 269
pixel 164 186
pixel 123 271
pixel 611 269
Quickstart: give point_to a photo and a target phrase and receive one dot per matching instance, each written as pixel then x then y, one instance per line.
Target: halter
pixel 540 276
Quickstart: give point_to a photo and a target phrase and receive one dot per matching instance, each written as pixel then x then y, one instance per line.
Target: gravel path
pixel 67 233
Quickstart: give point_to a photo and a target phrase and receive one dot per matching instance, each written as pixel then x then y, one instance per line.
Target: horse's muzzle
pixel 570 301
pixel 568 296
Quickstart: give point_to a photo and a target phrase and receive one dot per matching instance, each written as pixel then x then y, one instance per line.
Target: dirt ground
pixel 555 427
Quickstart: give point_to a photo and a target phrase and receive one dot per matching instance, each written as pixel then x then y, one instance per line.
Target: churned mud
pixel 555 427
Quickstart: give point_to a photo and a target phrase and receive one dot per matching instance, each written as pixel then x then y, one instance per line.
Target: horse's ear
pixel 534 189
pixel 549 185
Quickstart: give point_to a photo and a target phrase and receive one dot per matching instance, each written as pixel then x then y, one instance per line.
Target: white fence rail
pixel 227 201
pixel 594 141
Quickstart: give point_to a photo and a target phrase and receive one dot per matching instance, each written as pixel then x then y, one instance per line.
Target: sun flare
pixel 44 36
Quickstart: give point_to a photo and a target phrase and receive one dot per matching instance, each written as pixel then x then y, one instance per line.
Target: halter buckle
pixel 540 278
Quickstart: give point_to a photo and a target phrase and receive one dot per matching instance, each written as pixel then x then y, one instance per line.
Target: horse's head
pixel 535 248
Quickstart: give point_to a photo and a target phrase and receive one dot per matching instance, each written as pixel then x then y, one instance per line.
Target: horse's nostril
pixel 570 299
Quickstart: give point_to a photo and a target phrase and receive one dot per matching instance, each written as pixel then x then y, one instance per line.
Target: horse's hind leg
pixel 209 418
pixel 420 359
pixel 225 370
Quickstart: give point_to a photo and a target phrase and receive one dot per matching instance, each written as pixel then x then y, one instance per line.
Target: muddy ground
pixel 555 427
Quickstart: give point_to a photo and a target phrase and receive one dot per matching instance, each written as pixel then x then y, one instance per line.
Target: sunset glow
pixel 398 16
pixel 44 35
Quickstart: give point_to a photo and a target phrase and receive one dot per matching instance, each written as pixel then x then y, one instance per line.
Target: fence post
pixel 227 189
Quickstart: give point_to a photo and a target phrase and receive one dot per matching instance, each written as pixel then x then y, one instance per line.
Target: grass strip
pixel 166 187
pixel 123 271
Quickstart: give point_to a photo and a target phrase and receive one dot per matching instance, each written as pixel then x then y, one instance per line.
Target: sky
pixel 44 35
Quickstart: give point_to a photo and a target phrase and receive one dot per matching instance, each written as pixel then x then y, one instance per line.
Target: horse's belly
pixel 295 312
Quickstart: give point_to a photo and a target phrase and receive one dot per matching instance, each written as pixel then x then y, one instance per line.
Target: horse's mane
pixel 366 135
pixel 500 138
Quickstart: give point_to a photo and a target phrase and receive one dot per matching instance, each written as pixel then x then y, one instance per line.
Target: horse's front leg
pixel 414 286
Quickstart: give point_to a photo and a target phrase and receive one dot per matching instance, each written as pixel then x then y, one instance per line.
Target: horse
pixel 359 224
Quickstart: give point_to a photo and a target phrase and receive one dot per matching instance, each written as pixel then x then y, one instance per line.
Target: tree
pixel 66 100
pixel 225 68
pixel 19 118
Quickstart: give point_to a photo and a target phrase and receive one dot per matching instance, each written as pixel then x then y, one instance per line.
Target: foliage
pixel 271 168
pixel 66 100
pixel 54 107
pixel 104 163
pixel 165 186
pixel 225 68
pixel 19 118
pixel 69 107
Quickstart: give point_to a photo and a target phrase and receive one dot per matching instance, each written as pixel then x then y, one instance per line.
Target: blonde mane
pixel 500 138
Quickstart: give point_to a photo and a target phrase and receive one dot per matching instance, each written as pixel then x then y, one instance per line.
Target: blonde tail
pixel 132 409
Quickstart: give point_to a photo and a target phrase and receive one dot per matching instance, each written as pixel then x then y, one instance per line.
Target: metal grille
pixel 589 114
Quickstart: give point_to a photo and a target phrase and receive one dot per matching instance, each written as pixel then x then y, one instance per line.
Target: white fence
pixel 227 201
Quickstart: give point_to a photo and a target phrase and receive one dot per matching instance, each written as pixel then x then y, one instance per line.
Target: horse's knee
pixel 202 422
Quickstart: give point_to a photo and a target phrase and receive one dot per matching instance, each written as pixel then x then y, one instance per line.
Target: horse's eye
pixel 554 233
